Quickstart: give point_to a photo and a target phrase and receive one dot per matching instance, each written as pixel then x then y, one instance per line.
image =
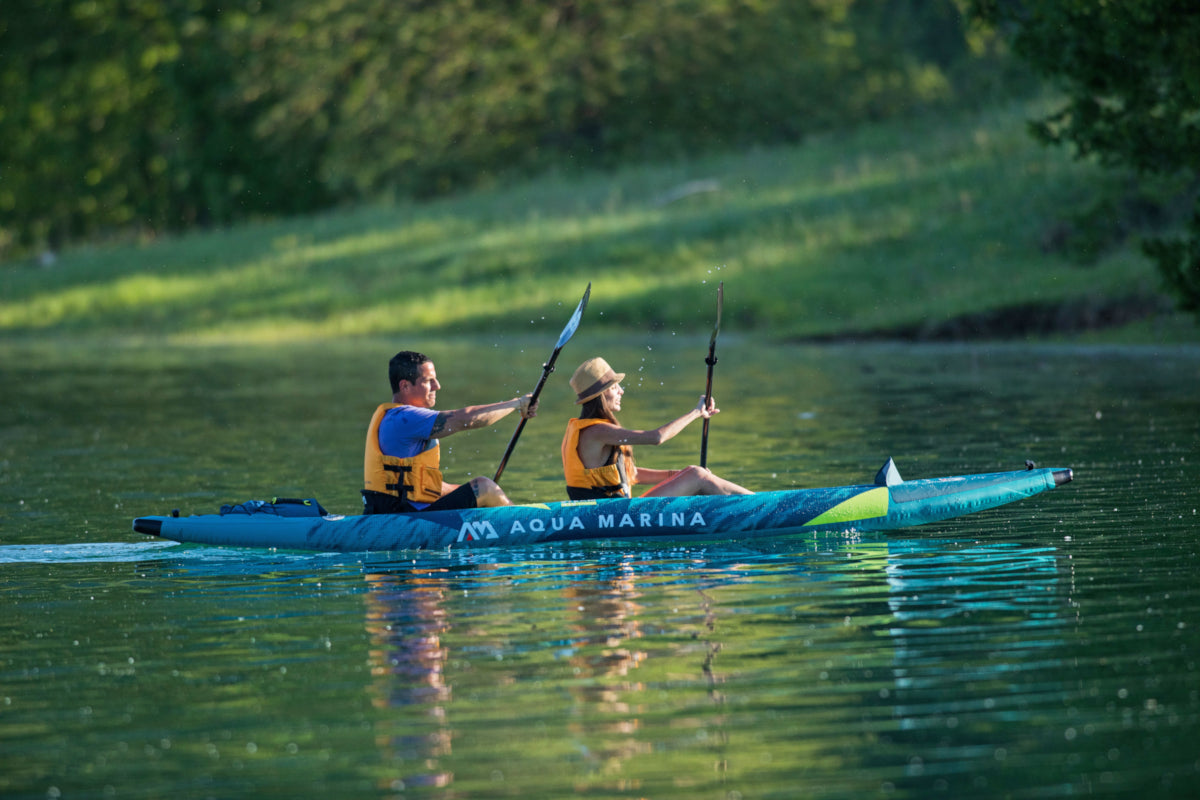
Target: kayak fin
pixel 888 475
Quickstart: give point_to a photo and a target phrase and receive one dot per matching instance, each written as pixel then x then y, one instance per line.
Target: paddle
pixel 712 362
pixel 547 368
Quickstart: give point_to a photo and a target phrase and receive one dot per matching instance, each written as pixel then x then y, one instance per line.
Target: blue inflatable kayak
pixel 888 504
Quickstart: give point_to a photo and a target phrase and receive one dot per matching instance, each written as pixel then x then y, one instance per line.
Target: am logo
pixel 477 531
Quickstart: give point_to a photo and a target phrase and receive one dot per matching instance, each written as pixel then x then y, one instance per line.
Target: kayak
pixel 887 504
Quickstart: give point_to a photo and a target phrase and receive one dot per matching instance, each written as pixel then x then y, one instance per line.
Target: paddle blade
pixel 720 306
pixel 573 323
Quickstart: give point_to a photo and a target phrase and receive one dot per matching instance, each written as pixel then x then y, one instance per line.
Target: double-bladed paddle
pixel 712 362
pixel 547 368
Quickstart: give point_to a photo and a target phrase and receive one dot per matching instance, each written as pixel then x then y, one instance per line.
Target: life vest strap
pixel 400 487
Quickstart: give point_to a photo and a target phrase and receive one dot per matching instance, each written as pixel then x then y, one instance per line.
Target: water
pixel 1044 649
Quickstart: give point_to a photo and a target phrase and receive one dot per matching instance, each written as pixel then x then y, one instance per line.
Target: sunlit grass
pixel 870 230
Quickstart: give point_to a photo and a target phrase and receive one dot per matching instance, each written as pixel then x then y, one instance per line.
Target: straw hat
pixel 592 378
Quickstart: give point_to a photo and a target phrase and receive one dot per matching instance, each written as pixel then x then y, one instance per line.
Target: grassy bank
pixel 896 229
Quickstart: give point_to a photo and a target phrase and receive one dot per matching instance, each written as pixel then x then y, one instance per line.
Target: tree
pixel 126 115
pixel 1131 73
pixel 121 116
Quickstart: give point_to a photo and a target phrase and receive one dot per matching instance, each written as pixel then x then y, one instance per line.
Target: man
pixel 401 467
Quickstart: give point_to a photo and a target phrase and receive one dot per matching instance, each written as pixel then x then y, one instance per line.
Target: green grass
pixel 889 226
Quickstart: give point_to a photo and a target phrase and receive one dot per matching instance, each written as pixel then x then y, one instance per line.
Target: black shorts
pixel 380 503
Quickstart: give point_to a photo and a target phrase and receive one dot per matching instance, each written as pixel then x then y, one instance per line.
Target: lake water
pixel 1043 649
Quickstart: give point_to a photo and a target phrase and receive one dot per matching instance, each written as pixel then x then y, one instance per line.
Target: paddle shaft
pixel 547 368
pixel 711 361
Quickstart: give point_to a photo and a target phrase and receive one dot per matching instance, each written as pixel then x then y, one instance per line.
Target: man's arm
pixel 465 419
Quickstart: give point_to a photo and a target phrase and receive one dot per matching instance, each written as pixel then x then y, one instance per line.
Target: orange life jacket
pixel 614 479
pixel 417 479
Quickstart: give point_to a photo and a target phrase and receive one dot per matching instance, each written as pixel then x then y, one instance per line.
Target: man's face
pixel 423 393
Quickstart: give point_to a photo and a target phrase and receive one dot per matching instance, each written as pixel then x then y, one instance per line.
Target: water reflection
pixel 632 637
pixel 602 612
pixel 940 580
pixel 945 600
pixel 976 633
pixel 405 621
pixel 459 674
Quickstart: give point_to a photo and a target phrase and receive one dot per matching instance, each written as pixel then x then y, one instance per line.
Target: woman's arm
pixel 613 435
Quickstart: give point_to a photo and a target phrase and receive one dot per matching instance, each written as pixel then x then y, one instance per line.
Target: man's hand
pixel 527 407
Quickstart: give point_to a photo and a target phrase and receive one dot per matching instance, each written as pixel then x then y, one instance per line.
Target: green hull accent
pixel 868 505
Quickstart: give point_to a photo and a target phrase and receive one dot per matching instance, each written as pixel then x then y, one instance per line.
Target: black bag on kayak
pixel 279 507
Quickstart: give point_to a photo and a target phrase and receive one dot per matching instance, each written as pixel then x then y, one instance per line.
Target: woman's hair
pixel 598 408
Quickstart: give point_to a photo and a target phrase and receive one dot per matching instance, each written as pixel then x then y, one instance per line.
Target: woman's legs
pixel 693 481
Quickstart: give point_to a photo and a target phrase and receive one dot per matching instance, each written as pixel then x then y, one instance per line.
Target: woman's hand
pixel 709 409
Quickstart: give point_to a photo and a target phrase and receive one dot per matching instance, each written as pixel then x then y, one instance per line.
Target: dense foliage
pixel 1131 70
pixel 149 115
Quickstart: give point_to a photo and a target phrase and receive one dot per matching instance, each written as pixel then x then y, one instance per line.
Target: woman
pixel 597 452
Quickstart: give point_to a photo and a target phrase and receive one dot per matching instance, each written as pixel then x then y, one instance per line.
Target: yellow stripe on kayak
pixel 866 505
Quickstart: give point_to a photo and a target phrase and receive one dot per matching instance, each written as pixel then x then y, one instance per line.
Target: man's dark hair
pixel 404 366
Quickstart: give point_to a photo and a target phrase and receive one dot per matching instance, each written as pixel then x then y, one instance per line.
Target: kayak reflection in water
pixel 597 452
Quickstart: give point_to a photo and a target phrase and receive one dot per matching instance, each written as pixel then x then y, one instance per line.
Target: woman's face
pixel 613 396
